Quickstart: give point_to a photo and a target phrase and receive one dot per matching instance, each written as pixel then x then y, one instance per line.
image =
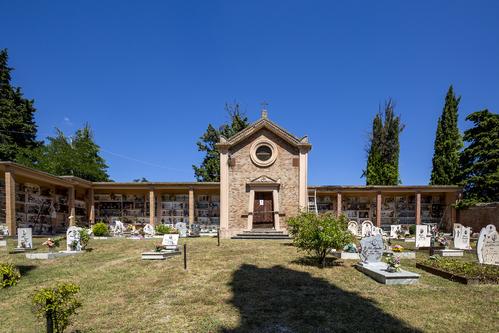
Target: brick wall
pixel 479 216
pixel 245 171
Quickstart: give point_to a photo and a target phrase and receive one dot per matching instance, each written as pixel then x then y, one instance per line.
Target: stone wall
pixel 479 216
pixel 245 171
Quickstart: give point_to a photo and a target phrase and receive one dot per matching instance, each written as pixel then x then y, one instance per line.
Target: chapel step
pixel 261 234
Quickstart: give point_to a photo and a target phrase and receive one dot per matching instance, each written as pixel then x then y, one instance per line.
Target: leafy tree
pixel 209 170
pixel 76 156
pixel 17 124
pixel 448 144
pixel 384 148
pixel 141 180
pixel 319 234
pixel 480 159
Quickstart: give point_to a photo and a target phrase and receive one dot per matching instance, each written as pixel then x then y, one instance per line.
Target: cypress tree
pixel 480 159
pixel 17 124
pixel 448 143
pixel 384 148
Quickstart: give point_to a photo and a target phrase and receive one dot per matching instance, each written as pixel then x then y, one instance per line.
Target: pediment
pixel 263 180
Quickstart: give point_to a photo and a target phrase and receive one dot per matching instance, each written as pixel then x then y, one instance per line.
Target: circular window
pixel 263 153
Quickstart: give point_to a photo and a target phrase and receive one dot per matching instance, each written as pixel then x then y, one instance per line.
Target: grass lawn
pixel 241 286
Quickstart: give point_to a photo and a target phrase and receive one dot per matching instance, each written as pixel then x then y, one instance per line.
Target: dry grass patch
pixel 241 286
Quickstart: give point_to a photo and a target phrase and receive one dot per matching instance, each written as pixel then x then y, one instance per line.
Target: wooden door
pixel 263 210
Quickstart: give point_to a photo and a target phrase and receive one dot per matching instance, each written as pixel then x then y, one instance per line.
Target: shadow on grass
pixel 311 261
pixel 278 299
pixel 25 269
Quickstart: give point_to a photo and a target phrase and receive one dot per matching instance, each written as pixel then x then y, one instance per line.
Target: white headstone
pixel 170 241
pixel 423 235
pixel 488 246
pixel 372 248
pixel 395 230
pixel 462 237
pixel 149 230
pixel 182 228
pixel 24 238
pixel 73 239
pixel 353 227
pixel 367 228
pixel 119 228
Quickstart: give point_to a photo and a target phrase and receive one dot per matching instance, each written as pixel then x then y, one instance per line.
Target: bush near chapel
pixel 9 275
pixel 100 229
pixel 162 229
pixel 319 234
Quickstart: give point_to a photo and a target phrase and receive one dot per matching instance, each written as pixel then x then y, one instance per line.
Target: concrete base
pixel 3 243
pixel 402 255
pixel 450 253
pixel 100 237
pixel 410 240
pixel 153 255
pixel 346 255
pixel 378 272
pixel 51 255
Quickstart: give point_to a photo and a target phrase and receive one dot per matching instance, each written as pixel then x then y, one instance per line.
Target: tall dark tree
pixel 75 156
pixel 17 124
pixel 209 170
pixel 448 144
pixel 480 159
pixel 384 148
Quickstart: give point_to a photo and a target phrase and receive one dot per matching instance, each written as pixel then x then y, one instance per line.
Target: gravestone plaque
pixel 353 227
pixel 170 241
pixel 24 238
pixel 119 228
pixel 73 239
pixel 488 246
pixel 371 249
pixel 149 230
pixel 395 230
pixel 182 228
pixel 423 235
pixel 367 228
pixel 462 237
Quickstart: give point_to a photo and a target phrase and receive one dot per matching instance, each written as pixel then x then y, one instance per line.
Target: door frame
pixel 274 188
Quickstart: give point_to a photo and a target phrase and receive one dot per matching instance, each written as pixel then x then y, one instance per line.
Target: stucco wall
pixel 479 216
pixel 245 171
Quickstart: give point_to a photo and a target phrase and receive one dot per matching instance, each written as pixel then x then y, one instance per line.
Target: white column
pixel 338 204
pixel 303 196
pixel 418 208
pixel 10 203
pixel 191 208
pixel 72 210
pixel 251 208
pixel 275 197
pixel 151 207
pixel 224 190
pixel 378 210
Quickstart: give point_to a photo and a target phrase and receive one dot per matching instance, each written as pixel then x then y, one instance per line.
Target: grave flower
pixel 393 264
pixel 51 243
pixel 397 248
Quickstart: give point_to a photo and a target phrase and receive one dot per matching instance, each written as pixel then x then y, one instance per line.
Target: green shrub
pixel 9 275
pixel 319 234
pixel 56 305
pixel 84 238
pixel 100 229
pixel 162 229
pixel 412 229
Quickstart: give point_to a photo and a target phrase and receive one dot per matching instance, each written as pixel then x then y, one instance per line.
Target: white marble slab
pixel 450 252
pixel 403 255
pixel 153 255
pixel 346 255
pixel 51 255
pixel 3 243
pixel 378 272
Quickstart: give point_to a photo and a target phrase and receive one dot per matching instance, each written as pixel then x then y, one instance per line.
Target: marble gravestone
pixel 24 238
pixel 182 228
pixel 73 239
pixel 119 228
pixel 395 230
pixel 462 237
pixel 371 249
pixel 353 227
pixel 423 235
pixel 170 241
pixel 488 246
pixel 367 228
pixel 149 230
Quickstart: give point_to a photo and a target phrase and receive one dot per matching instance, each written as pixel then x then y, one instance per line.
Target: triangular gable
pixel 263 179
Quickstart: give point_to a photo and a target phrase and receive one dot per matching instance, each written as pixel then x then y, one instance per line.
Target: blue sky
pixel 150 75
